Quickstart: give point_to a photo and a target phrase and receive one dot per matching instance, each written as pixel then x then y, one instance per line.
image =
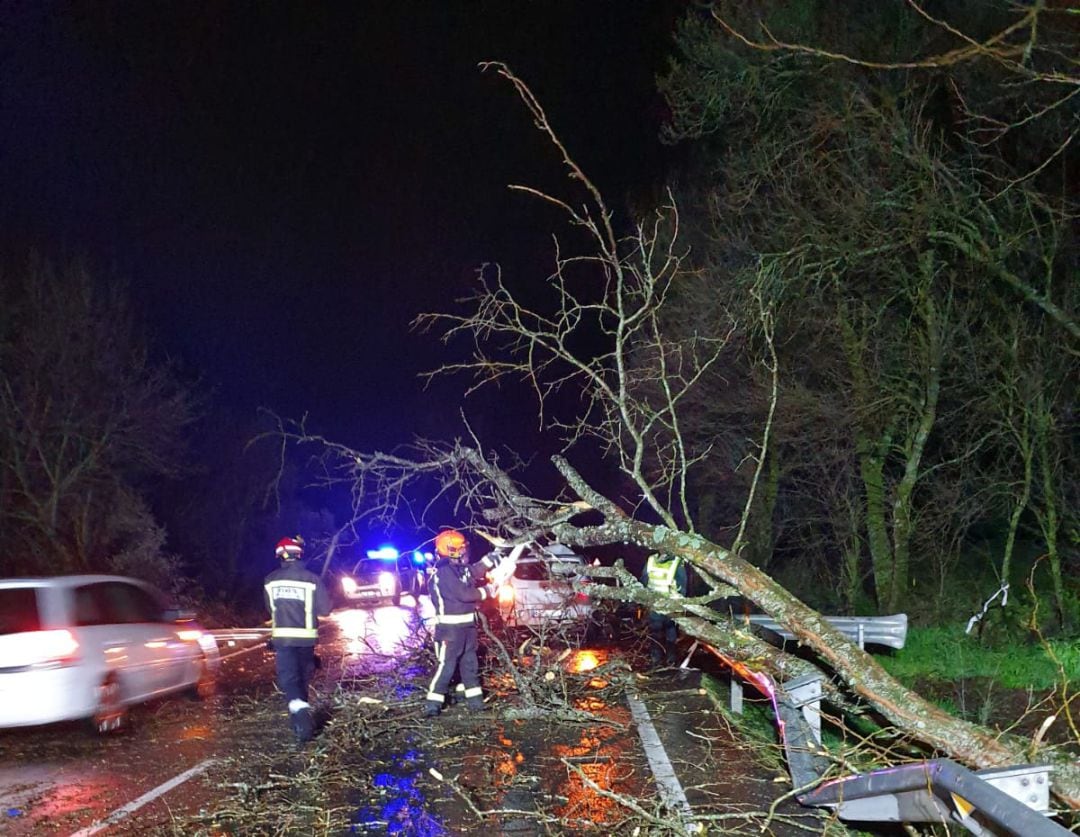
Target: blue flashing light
pixel 418 558
pixel 384 553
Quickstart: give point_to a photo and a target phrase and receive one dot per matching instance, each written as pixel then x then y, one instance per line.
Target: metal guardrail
pixel 890 631
pixel 231 636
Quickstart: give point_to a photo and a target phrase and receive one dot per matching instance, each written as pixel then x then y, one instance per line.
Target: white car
pixel 539 591
pixel 90 646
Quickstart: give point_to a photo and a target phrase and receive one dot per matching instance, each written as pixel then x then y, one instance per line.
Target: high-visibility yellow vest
pixel 661 575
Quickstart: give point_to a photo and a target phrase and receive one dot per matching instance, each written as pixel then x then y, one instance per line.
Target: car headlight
pixel 386 582
pixel 348 585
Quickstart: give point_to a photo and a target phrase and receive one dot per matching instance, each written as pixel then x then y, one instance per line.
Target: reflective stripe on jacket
pixel 295 598
pixel 661 575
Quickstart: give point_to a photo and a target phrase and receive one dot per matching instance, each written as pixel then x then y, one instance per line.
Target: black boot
pixel 432 708
pixel 303 724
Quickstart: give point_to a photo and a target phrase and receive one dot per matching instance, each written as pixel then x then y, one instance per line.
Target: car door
pixel 170 656
pixel 116 617
pixel 102 624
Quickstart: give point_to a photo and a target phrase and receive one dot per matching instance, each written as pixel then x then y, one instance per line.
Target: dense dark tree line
pixel 113 461
pixel 89 423
pixel 901 201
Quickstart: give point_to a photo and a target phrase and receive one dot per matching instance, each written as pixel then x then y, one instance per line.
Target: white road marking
pixel 671 790
pixel 149 796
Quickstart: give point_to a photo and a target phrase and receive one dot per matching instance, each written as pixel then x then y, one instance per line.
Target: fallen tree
pixel 635 391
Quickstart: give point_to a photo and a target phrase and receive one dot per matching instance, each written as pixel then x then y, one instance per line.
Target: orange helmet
pixel 450 543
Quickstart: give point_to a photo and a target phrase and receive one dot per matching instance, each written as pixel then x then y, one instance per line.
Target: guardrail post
pixel 736 694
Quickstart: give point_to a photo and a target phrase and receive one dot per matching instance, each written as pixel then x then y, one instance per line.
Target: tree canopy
pixel 88 421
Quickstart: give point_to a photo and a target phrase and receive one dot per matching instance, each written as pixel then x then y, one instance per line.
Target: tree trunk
pixel 862 674
pixel 1048 514
pixel 871 467
pixel 913 456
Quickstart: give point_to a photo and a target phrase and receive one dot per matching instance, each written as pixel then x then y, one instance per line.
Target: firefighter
pixel 456 588
pixel 296 598
pixel 664 574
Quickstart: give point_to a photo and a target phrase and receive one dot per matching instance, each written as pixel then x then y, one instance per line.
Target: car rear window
pixel 531 571
pixel 19 610
pixel 114 603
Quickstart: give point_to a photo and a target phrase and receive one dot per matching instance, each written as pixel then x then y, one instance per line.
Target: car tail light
pixel 506 595
pixel 46 648
pixel 348 585
pixel 581 598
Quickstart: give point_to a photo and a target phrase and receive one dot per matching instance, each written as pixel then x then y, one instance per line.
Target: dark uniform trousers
pixel 455 648
pixel 295 666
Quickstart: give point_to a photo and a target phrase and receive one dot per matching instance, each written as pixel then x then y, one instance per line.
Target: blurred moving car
pixel 539 591
pixel 91 646
pixel 384 575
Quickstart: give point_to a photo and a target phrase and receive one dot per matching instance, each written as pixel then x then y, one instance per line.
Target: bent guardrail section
pixel 1000 802
pixel 941 791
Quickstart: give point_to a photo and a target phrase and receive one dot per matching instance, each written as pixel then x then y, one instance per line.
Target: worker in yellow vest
pixel 664 574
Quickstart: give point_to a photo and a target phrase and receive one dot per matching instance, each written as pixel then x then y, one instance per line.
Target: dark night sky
pixel 286 186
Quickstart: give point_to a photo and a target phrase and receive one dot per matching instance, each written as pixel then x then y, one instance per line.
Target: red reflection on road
pixel 47 792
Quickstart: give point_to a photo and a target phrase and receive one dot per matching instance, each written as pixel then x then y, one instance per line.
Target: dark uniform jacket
pixel 295 597
pixel 454 592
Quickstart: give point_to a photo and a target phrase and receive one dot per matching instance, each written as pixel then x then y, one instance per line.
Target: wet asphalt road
pixel 62 779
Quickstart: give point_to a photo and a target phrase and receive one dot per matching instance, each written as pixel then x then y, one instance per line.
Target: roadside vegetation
pixel 946 653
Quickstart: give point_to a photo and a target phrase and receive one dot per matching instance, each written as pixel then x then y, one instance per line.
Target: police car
pixel 382 576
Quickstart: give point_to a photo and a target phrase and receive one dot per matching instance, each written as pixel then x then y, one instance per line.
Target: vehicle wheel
pixel 205 687
pixel 111 715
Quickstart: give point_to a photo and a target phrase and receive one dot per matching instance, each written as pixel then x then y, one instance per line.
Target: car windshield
pixel 18 610
pixel 531 571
